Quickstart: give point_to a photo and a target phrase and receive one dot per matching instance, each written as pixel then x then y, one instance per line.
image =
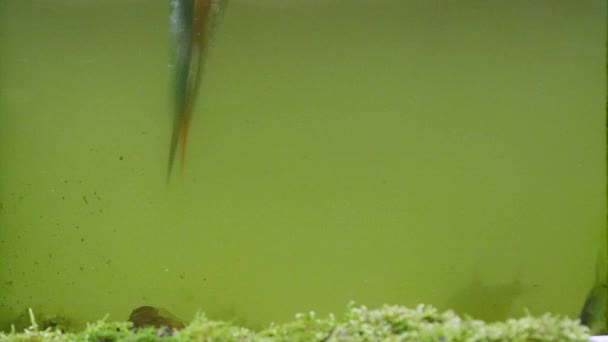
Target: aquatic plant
pixel 388 323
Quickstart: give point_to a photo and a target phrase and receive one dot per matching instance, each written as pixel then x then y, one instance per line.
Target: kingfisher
pixel 192 24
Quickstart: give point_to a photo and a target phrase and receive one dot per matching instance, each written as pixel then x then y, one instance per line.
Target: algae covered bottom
pixel 389 323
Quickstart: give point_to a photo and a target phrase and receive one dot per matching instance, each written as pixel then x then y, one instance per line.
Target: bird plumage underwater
pixel 192 24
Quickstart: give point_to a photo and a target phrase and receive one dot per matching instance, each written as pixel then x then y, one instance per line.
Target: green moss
pixel 42 321
pixel 391 322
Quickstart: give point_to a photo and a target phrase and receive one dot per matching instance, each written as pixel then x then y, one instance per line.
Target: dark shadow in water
pixel 488 301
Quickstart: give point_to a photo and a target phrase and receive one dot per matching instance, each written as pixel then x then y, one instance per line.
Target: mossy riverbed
pixel 388 323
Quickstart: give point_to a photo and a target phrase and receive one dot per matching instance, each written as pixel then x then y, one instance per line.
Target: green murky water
pixel 447 152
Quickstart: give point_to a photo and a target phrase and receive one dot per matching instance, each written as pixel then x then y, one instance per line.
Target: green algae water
pixel 403 152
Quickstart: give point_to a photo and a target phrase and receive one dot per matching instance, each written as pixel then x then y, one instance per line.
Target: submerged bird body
pixel 192 23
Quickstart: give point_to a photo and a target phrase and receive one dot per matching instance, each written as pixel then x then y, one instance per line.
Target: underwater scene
pixel 256 158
